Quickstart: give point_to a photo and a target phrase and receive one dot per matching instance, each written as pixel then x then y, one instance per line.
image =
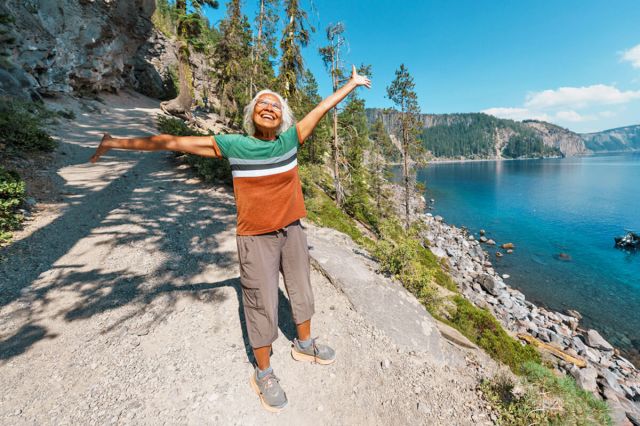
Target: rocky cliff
pixel 569 143
pixel 620 139
pixel 77 47
pixel 51 47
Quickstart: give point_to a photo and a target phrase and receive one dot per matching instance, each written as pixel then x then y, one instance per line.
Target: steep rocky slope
pixel 569 143
pixel 49 48
pixel 619 139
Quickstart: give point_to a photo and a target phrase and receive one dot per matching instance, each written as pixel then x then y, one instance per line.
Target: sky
pixel 575 63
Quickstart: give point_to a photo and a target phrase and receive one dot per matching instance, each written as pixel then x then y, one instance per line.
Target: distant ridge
pixel 625 138
pixel 483 136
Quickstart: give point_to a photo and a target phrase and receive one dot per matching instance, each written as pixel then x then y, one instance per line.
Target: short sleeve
pixel 290 137
pixel 224 143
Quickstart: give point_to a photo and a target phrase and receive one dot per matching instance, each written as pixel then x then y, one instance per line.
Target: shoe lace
pixel 314 346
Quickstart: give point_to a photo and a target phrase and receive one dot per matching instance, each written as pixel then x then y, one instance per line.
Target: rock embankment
pixel 604 372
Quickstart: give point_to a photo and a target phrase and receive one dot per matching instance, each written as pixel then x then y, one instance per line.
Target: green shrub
pixel 210 169
pixel 321 209
pixel 67 113
pixel 12 193
pixel 542 398
pixel 482 328
pixel 21 126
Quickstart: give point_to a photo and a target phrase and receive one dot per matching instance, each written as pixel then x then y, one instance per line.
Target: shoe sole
pixel 298 356
pixel 266 406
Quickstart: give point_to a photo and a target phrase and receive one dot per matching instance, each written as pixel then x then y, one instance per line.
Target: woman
pixel 269 205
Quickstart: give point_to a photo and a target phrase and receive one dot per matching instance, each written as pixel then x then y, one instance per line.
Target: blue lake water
pixel 546 207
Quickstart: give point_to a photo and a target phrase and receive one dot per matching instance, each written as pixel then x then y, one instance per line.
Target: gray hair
pixel 287 115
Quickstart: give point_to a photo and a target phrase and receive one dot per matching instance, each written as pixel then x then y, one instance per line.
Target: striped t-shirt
pixel 266 184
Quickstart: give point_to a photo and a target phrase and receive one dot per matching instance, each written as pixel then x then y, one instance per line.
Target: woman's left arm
pixel 310 121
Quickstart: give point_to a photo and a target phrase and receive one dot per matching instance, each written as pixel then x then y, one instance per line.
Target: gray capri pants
pixel 262 257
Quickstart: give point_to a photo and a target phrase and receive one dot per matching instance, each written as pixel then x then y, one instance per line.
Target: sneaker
pixel 318 353
pixel 268 389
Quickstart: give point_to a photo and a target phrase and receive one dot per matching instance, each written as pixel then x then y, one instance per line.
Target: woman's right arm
pixel 203 146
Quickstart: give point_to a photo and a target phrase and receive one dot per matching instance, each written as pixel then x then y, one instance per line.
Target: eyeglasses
pixel 263 103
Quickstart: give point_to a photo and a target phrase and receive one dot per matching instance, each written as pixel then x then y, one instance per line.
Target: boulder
pixel 492 285
pixel 482 232
pixel 575 314
pixel 595 340
pixel 578 344
pixel 438 252
pixel 508 246
pixel 609 379
pixel 506 300
pixel 491 242
pixel 592 354
pixel 518 311
pixel 483 239
pixel 586 378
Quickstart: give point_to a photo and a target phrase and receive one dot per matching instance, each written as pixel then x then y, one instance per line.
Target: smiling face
pixel 267 114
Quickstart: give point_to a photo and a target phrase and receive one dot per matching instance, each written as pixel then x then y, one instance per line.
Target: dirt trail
pixel 121 305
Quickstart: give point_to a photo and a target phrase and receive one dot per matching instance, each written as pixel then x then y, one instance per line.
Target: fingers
pixel 353 71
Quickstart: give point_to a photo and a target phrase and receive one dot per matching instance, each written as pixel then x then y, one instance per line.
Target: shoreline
pixel 594 363
pixel 480 160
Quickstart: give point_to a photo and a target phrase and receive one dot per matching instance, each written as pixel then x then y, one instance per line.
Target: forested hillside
pixel 475 136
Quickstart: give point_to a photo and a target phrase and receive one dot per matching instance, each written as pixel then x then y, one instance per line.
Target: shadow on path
pixel 138 209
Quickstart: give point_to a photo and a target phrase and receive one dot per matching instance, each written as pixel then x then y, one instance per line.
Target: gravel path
pixel 121 305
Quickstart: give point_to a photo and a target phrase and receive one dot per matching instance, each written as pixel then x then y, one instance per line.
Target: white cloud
pixel 572 116
pixel 632 55
pixel 580 97
pixel 516 114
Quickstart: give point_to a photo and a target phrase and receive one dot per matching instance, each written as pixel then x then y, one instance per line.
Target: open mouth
pixel 268 116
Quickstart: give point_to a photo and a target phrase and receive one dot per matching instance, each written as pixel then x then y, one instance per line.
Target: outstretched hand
pixel 102 148
pixel 359 80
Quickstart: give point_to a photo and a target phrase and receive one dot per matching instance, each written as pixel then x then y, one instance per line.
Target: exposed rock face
pixel 620 139
pixel 570 143
pixel 72 46
pixel 155 71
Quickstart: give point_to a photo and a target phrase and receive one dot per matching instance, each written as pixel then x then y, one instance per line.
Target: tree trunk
pixel 336 152
pixel 180 106
pixel 256 52
pixel 336 159
pixel 405 165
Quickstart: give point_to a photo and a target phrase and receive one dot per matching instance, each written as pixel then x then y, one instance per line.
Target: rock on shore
pixel 607 374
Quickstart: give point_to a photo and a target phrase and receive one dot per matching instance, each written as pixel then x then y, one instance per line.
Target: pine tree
pixel 183 15
pixel 187 27
pixel 316 146
pixel 354 134
pixel 296 36
pixel 402 94
pixel 263 50
pixel 381 149
pixel 331 55
pixel 232 55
